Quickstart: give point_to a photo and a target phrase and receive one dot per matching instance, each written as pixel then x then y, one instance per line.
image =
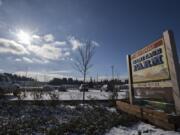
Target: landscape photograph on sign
pixel 150 63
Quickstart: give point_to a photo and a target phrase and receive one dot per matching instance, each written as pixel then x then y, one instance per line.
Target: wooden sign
pixel 154 71
pixel 150 63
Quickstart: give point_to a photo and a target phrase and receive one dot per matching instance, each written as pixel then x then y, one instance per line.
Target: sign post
pixel 131 91
pixel 173 67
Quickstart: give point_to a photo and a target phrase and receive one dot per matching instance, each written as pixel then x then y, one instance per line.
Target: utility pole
pixel 97 77
pixel 45 78
pixel 36 79
pixel 26 74
pixel 113 88
pixel 112 72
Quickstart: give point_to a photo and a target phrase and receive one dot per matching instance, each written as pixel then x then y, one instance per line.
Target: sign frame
pixel 154 46
pixel 173 67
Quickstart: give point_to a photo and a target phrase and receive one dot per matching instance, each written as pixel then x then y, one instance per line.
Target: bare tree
pixel 82 63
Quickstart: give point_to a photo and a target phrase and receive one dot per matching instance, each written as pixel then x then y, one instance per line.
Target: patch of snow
pixel 73 90
pixel 86 106
pixel 46 97
pixel 111 109
pixel 28 96
pixel 70 106
pixel 93 90
pixel 143 128
pixel 14 98
pixel 70 95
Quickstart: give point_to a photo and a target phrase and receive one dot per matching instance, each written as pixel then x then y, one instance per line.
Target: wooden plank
pixel 131 91
pixel 164 125
pixel 174 119
pixel 160 115
pixel 173 63
pixel 131 109
pixel 160 119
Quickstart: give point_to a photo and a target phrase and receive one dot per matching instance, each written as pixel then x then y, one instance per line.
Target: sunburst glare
pixel 24 37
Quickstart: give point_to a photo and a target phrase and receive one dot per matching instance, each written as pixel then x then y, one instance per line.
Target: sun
pixel 24 37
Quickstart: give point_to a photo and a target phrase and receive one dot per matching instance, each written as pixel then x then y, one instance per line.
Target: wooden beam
pixel 173 63
pixel 131 91
pixel 160 119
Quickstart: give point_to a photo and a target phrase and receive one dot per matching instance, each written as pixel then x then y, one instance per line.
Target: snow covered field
pixel 70 95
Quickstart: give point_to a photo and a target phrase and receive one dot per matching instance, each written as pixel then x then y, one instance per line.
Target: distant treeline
pixel 60 81
pixel 8 77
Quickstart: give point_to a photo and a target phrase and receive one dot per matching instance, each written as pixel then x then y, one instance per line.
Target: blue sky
pixel 56 27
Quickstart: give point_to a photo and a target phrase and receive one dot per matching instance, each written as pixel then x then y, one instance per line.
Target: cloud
pixel 36 37
pixel 75 43
pixel 28 60
pixel 1 70
pixel 43 49
pixel 71 59
pixel 10 46
pixel 1 3
pixel 40 61
pixel 38 53
pixel 18 60
pixel 31 60
pixel 59 72
pixel 46 51
pixel 24 59
pixel 45 75
pixel 48 38
pixel 95 43
pixel 59 43
pixel 67 54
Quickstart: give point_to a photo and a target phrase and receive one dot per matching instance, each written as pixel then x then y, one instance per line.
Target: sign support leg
pixel 173 67
pixel 131 91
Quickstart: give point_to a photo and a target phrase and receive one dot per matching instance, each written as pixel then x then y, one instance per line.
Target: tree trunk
pixel 84 88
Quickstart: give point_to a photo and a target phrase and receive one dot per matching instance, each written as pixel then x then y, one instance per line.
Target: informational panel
pixel 150 63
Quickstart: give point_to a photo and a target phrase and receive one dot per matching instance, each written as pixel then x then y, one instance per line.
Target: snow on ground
pixel 145 129
pixel 70 95
pixel 70 106
pixel 111 109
